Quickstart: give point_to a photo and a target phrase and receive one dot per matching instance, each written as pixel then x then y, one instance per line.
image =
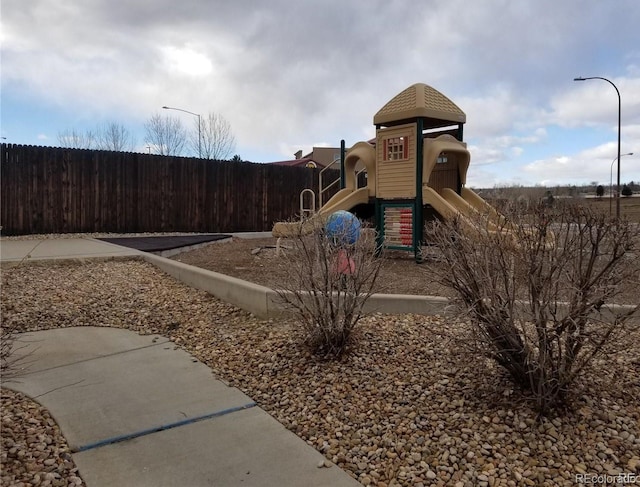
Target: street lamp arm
pixel 199 125
pixel 619 127
pixel 603 79
pixel 181 110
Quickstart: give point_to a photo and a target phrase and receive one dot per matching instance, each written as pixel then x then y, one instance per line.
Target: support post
pixel 418 231
pixel 379 219
pixel 342 154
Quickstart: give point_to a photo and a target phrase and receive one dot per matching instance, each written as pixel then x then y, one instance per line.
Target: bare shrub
pixel 536 287
pixel 16 349
pixel 14 359
pixel 326 285
pixel 7 341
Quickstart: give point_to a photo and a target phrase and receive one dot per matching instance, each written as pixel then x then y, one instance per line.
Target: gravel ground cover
pixel 34 452
pixel 406 407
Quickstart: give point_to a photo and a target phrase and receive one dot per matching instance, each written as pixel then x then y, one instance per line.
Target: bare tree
pixel 73 139
pixel 535 288
pixel 112 136
pixel 216 141
pixel 165 135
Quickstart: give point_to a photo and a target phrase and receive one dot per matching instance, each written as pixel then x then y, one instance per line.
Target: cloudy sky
pixel 291 74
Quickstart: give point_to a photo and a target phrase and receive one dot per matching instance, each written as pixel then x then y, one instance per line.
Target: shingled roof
pixel 420 101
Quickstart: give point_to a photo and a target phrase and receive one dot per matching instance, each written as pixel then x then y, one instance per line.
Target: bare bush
pixel 15 352
pixel 326 286
pixel 536 288
pixel 14 358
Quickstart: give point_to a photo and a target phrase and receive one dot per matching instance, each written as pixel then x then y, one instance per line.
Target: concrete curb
pixel 265 302
pixel 259 300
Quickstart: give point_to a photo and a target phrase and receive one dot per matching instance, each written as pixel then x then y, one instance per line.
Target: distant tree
pixel 114 137
pixel 73 139
pixel 626 191
pixel 165 135
pixel 236 158
pixel 216 138
pixel 600 191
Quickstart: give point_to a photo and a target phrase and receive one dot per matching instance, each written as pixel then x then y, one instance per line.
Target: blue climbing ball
pixel 343 228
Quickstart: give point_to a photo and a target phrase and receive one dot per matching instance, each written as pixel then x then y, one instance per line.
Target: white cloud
pixel 186 61
pixel 504 147
pixel 286 74
pixel 595 102
pixel 594 164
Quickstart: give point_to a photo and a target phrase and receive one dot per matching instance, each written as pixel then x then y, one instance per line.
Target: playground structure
pixel 416 172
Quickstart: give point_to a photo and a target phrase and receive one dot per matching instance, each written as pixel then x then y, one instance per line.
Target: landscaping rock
pixel 406 406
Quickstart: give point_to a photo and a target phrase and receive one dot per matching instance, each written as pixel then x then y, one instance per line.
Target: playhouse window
pixel 442 159
pixel 396 148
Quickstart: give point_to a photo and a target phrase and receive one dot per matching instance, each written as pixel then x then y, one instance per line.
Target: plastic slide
pixel 483 207
pixel 473 204
pixel 451 205
pixel 345 199
pixel 455 200
pixel 442 206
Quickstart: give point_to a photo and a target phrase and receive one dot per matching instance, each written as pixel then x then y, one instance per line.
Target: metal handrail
pixel 304 210
pixel 323 189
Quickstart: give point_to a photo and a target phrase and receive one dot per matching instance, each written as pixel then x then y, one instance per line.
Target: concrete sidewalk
pixel 138 411
pixel 87 248
pixel 61 248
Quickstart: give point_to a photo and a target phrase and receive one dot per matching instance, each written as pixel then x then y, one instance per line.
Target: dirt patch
pixel 629 207
pixel 256 260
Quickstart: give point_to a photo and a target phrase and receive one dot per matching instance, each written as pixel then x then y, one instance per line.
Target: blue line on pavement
pixel 130 436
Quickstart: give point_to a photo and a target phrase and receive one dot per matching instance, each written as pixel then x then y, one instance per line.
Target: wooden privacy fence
pixel 57 190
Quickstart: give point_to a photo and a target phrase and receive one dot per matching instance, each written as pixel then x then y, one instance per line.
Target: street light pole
pixel 611 178
pixel 199 125
pixel 619 124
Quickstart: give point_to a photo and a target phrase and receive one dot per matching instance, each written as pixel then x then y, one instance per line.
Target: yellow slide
pixel 442 206
pixel 345 199
pixel 470 203
pixel 451 205
pixel 483 207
